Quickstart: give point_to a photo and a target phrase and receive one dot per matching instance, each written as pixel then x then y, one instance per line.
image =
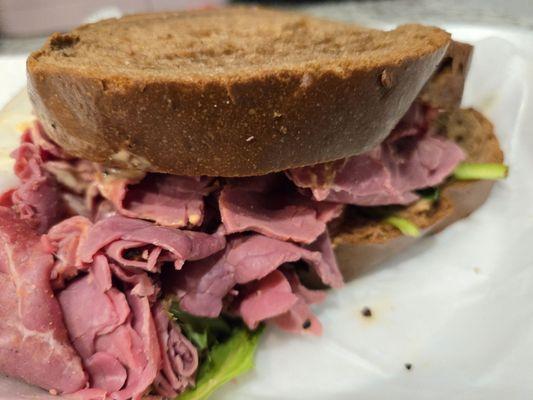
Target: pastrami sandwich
pixel 188 173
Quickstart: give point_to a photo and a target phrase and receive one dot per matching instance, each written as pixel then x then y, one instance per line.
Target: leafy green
pixel 225 361
pixel 404 225
pixel 226 349
pixel 430 194
pixel 471 171
pixel 203 332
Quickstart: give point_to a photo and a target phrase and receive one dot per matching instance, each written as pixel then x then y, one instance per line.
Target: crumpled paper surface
pixel 457 307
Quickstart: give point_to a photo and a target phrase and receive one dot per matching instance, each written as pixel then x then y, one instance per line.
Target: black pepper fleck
pixel 408 366
pixel 366 312
pixel 306 324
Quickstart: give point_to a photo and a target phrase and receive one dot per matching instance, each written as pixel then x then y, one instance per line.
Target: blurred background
pixel 27 18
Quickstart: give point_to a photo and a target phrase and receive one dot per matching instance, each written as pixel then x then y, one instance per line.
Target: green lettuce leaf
pixel 224 362
pixel 226 349
pixel 203 332
pixel 430 194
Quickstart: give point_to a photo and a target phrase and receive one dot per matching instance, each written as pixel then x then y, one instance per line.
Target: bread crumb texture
pixel 232 42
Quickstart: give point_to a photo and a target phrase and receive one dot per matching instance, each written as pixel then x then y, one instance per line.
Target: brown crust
pixel 363 243
pixel 231 126
pixel 445 88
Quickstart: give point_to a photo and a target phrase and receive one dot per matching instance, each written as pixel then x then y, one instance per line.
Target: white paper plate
pixel 458 306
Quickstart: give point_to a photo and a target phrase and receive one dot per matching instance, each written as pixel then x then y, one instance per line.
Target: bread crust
pixel 360 243
pixel 445 88
pixel 230 126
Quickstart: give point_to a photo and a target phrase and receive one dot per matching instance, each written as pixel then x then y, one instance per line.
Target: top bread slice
pixel 227 92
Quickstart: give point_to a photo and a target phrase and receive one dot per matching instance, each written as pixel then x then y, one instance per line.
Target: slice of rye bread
pixel 362 242
pixel 228 92
pixel 445 88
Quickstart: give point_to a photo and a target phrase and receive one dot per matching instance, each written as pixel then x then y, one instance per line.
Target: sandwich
pixel 191 177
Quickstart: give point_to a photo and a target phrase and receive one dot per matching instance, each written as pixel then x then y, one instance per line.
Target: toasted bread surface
pixel 227 92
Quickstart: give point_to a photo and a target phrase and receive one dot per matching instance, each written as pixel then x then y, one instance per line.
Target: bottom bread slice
pixel 362 242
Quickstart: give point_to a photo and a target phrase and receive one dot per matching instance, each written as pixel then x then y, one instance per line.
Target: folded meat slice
pixel 253 257
pixel 183 245
pixel 135 345
pixel 419 162
pixel 300 318
pixel 94 290
pixel 286 215
pixel 126 343
pixel 35 344
pixel 411 158
pixel 141 283
pixel 105 232
pixel 113 328
pixel 179 356
pixel 169 200
pixel 38 197
pixel 64 240
pixel 132 242
pixel 249 265
pixel 201 285
pixel 106 372
pixel 267 298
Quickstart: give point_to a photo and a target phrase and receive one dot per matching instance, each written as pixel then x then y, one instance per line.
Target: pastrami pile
pixel 91 258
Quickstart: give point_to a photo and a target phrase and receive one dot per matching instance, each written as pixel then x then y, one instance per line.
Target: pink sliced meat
pixel 365 180
pixel 38 197
pixel 308 295
pixel 179 356
pixel 106 372
pixel 92 307
pixel 105 232
pixel 202 285
pixel 328 269
pixel 269 297
pixel 113 331
pixel 300 318
pixel 184 245
pixel 125 235
pixel 136 346
pixel 412 157
pixel 87 394
pixel 284 216
pixel 35 345
pixel 141 283
pixel 169 200
pixel 105 332
pixel 134 254
pixel 416 163
pixel 64 240
pixel 255 256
